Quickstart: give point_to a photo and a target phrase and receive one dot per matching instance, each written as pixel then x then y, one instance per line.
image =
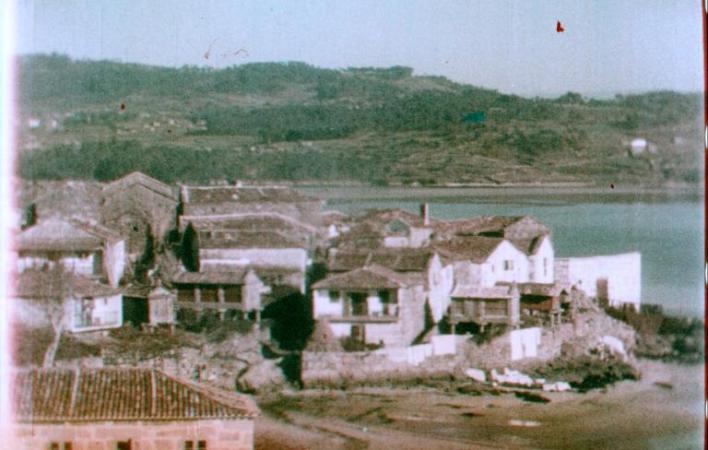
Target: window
pixel 385 296
pixel 334 296
pixel 232 294
pixel 190 445
pixel 123 445
pixel 210 294
pixel 508 264
pixel 545 266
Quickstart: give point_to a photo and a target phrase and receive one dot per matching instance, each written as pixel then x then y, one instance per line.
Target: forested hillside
pixel 295 122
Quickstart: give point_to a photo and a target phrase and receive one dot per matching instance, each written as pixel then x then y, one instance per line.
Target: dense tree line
pixel 106 161
pixel 389 124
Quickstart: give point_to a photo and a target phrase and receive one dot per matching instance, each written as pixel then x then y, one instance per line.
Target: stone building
pixel 394 228
pixel 141 209
pixel 125 409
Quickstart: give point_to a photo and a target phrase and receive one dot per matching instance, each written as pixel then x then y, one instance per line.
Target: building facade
pixel 126 409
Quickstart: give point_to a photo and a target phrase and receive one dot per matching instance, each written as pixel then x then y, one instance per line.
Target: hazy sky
pixel 509 45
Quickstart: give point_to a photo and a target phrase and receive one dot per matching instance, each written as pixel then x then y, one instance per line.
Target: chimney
pixel 424 213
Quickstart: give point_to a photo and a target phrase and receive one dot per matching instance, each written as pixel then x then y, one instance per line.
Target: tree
pixel 57 289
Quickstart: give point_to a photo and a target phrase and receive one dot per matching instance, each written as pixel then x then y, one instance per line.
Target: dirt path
pixel 663 410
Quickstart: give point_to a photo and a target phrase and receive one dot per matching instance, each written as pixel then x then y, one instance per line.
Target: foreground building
pixel 126 409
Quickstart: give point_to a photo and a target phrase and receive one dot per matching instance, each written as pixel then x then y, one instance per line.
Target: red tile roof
pixel 474 248
pixel 230 275
pixel 37 284
pixel 120 394
pixel 494 292
pixel 248 239
pixel 369 277
pixel 119 185
pixel 57 235
pixel 398 259
pixel 384 216
pixel 248 222
pixel 476 225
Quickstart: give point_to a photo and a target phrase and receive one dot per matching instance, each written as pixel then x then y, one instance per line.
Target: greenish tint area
pixel 379 126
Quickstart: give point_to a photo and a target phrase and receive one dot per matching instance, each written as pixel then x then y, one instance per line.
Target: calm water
pixel 669 234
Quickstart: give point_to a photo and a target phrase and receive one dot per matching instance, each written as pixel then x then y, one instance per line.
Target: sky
pixel 607 47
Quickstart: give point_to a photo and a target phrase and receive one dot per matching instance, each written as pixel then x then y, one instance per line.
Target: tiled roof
pixel 247 222
pixel 143 180
pixel 63 198
pixel 248 239
pixel 96 229
pixel 57 235
pixel 495 292
pixel 528 246
pixel 37 284
pixel 384 216
pixel 119 394
pixel 136 290
pixel 241 194
pixel 369 277
pixel 474 248
pixel 398 259
pixel 235 275
pixel 539 289
pixel 476 225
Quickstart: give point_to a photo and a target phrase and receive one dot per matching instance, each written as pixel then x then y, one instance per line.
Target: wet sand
pixel 628 415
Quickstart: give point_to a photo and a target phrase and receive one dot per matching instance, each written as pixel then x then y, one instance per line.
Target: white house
pixel 82 247
pixel 638 146
pixel 424 262
pixel 485 261
pixel 88 305
pixel 527 234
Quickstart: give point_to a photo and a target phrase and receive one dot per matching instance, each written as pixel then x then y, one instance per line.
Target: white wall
pixel 622 271
pixel 397 241
pixel 493 271
pixel 80 264
pixel 114 259
pixel 323 306
pixel 537 274
pixel 440 284
pixel 524 343
pixel 107 313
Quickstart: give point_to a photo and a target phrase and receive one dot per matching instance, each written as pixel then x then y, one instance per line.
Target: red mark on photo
pixel 559 27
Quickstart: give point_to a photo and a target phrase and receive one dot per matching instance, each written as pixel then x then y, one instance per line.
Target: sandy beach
pixel 662 410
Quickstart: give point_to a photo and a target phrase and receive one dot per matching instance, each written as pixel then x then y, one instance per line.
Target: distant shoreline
pixel 568 191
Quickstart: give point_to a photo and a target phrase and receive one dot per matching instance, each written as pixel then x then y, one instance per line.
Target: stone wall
pixel 343 369
pixel 219 435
